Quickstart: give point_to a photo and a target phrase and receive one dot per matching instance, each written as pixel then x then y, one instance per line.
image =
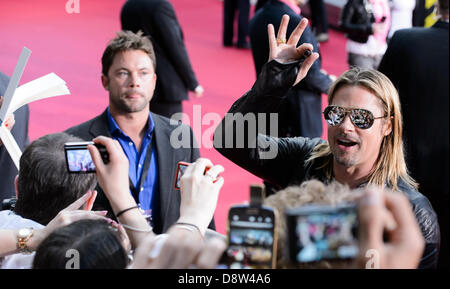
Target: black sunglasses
pixel 361 118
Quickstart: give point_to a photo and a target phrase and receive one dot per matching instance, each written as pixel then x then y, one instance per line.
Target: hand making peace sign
pixel 287 51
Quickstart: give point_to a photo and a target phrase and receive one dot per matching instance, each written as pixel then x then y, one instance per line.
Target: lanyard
pixel 148 157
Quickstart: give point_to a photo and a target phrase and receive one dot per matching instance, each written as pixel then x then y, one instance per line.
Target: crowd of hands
pixel 379 212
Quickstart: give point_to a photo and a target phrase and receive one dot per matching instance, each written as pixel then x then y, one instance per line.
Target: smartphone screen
pixel 318 233
pixel 78 158
pixel 251 238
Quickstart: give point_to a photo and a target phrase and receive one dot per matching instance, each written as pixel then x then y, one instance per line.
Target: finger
pixel 211 253
pixel 96 158
pixel 370 214
pixel 301 50
pixel 112 147
pixel 73 216
pixel 198 168
pixel 297 33
pixel 283 28
pixel 272 40
pixel 219 182
pixel 389 221
pixel 90 201
pixel 215 171
pixel 78 203
pixel 303 71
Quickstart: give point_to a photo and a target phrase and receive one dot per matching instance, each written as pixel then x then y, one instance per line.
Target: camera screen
pixel 326 235
pixel 79 160
pixel 180 172
pixel 251 241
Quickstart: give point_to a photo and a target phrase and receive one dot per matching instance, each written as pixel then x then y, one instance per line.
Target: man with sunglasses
pixel 364 133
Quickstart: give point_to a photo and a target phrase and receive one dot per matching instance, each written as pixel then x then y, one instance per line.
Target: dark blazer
pixel 20 132
pixel 417 62
pixel 305 97
pixel 157 19
pixel 167 158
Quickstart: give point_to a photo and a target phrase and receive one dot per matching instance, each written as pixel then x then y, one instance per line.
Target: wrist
pixel 32 243
pixel 199 222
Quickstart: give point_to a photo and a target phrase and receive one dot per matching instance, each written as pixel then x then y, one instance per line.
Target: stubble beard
pixel 125 105
pixel 344 159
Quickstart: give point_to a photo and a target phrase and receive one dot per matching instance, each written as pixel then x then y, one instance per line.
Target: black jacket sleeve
pixel 270 158
pixel 428 222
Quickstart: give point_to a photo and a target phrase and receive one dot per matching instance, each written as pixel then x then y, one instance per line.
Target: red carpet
pixel 71 46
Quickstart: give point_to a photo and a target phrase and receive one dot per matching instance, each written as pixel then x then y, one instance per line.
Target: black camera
pixel 9 204
pixel 321 232
pixel 78 158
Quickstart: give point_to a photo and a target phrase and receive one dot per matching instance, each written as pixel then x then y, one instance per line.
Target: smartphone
pixel 78 158
pixel 251 238
pixel 320 232
pixel 181 168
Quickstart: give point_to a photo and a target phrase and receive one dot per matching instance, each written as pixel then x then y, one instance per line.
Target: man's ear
pixel 105 82
pixel 388 126
pixel 16 182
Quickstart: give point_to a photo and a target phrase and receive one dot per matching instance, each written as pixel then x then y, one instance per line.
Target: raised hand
pixel 287 51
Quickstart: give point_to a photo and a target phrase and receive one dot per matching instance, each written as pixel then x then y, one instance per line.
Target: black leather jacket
pixel 356 20
pixel 288 165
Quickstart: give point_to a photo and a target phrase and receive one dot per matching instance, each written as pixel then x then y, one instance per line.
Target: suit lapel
pixel 165 156
pixel 100 126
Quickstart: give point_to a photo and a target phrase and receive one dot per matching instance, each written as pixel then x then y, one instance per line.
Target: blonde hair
pixel 308 192
pixel 390 164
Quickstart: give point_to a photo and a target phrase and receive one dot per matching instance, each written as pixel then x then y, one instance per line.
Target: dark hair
pixel 89 244
pixel 127 40
pixel 44 186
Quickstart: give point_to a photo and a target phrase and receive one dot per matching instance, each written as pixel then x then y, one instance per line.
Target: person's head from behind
pixel 44 186
pixel 85 244
pixel 128 72
pixel 310 192
pixel 365 128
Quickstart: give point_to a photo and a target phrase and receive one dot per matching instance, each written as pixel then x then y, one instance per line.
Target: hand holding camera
pixel 200 192
pixel 112 176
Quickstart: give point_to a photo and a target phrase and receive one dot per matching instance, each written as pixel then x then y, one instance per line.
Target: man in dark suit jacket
pixel 157 19
pixel 417 62
pixel 150 141
pixel 20 133
pixel 302 109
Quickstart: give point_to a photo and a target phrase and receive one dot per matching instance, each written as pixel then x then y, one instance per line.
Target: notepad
pixel 15 97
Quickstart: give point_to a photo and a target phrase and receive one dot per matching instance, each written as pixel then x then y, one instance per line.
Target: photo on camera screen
pixel 323 233
pixel 181 169
pixel 251 239
pixel 79 160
